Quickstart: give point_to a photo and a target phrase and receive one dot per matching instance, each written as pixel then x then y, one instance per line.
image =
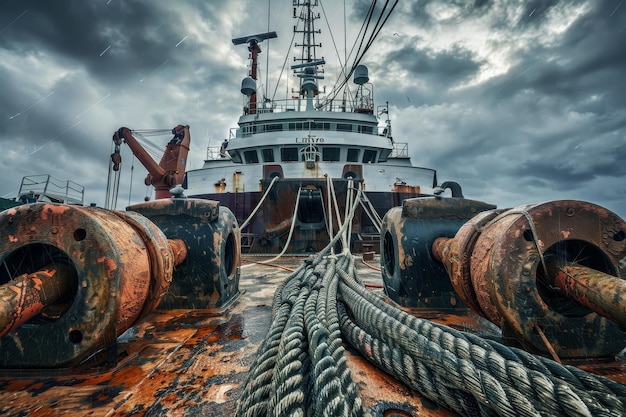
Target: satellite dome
pixel 248 86
pixel 360 75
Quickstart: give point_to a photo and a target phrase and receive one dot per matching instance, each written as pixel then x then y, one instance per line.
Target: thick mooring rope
pixel 301 369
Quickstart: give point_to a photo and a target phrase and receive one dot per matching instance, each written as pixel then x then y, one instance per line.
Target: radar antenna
pixel 254 48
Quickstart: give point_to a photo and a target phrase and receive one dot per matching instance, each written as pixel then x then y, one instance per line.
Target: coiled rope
pixel 300 368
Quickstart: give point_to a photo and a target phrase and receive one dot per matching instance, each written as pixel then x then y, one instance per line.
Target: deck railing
pixel 39 186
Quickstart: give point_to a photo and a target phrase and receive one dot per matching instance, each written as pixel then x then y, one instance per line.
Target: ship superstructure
pixel 314 144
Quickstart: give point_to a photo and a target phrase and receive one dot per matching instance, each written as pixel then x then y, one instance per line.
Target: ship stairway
pixel 247 242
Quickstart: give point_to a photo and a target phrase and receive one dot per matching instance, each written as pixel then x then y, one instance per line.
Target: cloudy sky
pixel 518 101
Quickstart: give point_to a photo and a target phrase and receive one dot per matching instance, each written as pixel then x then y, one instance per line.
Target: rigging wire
pixel 282 70
pixel 112 183
pixel 132 171
pixel 267 55
pixel 380 23
pixel 113 180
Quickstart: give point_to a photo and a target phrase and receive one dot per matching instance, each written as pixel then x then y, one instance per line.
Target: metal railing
pixel 40 187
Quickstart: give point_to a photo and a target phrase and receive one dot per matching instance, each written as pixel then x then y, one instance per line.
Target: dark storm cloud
pixel 435 71
pixel 80 31
pixel 518 101
pixel 421 13
pixel 551 125
pixel 72 72
pixel 538 9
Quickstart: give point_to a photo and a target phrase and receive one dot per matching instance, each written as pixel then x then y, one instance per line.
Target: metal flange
pixel 110 276
pixel 510 276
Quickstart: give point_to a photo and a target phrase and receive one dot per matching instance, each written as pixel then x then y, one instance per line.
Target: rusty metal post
pixel 26 296
pixel 412 277
pixel 209 235
pixel 600 292
pixel 456 256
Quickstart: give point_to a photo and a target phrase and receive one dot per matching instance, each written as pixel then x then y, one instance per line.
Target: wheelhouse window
pixel 251 157
pixel 276 127
pixel 248 130
pixel 268 155
pixel 369 156
pixel 320 125
pixel 289 154
pixel 368 130
pixel 296 126
pixel 344 127
pixel 330 154
pixel 353 154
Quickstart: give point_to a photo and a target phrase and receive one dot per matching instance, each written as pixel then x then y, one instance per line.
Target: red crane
pixel 166 174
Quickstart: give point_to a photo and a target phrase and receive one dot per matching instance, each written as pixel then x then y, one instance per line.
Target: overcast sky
pixel 518 101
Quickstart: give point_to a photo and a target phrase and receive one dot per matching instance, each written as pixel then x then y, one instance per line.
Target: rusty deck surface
pixel 195 362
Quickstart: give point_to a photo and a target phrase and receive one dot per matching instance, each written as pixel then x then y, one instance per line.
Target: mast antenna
pixel 254 48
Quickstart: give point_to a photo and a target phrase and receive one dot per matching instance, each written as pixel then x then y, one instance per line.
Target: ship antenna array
pixel 254 48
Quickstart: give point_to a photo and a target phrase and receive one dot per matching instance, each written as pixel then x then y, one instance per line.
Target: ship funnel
pixel 360 75
pixel 248 86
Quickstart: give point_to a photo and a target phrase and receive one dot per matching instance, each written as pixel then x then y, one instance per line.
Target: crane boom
pixel 166 174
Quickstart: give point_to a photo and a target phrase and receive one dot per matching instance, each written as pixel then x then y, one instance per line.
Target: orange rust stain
pixel 37 282
pixel 13 239
pixel 111 265
pixel 49 209
pixel 403 188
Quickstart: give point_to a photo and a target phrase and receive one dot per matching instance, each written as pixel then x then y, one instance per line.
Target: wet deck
pixel 194 362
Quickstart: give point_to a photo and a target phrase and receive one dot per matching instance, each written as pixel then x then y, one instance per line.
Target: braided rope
pixel 301 368
pixel 551 393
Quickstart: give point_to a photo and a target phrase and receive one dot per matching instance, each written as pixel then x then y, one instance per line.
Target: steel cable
pixel 564 399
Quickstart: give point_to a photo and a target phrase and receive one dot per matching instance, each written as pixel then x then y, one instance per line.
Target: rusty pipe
pixel 442 250
pixel 179 249
pixel 600 292
pixel 26 296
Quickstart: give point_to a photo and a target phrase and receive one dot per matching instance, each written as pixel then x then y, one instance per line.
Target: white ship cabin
pixel 295 130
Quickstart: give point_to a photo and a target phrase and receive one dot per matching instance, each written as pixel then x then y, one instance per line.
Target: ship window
pixel 289 154
pixel 368 130
pixel 235 156
pixel 353 154
pixel 251 157
pixel 277 127
pixel 295 126
pixel 369 156
pixel 268 155
pixel 320 125
pixel 248 130
pixel 344 127
pixel 330 154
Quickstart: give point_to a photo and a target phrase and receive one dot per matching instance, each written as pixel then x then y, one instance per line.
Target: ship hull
pixel 295 213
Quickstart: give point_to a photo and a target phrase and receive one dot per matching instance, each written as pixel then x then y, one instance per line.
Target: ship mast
pixel 248 85
pixel 307 69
